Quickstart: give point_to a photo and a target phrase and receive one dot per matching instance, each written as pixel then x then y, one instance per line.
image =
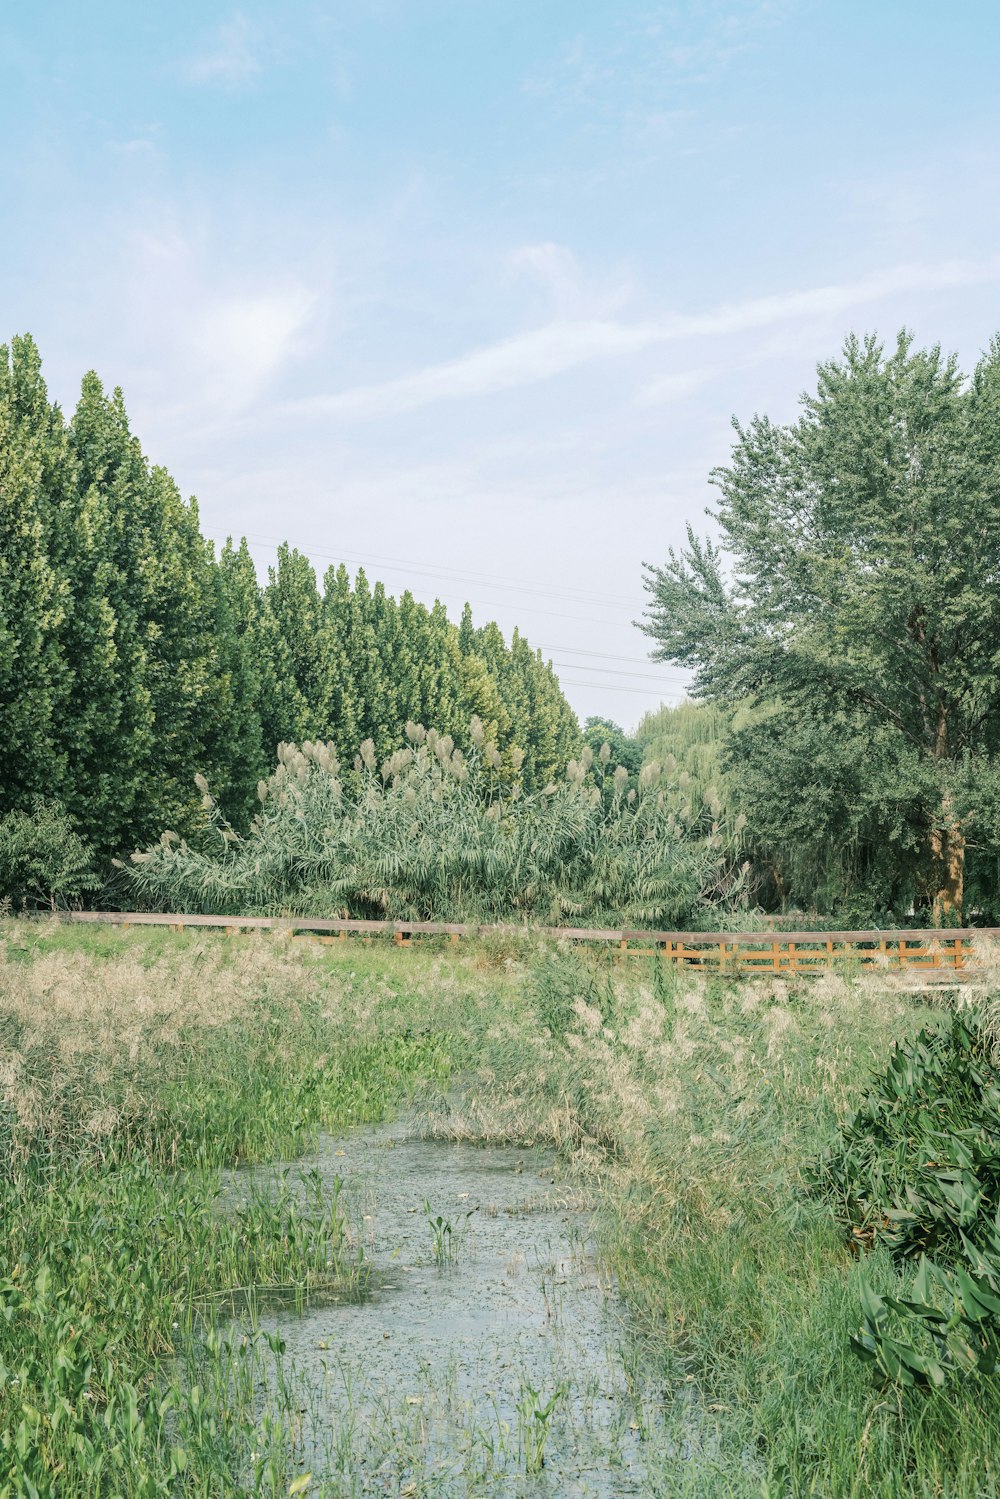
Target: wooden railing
pixel 730 952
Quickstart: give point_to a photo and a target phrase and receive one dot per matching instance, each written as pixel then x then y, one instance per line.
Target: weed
pixel 533 1422
pixel 446 1238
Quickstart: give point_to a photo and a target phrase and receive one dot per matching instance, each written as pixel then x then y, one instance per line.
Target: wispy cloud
pixel 560 346
pixel 242 341
pixel 141 148
pixel 573 295
pixel 230 58
pixel 524 359
pixel 219 333
pixel 667 388
pixel 641 59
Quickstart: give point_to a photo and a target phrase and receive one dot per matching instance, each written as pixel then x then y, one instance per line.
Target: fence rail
pixel 732 952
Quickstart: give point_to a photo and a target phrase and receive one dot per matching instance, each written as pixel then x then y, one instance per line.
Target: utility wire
pixel 432 570
pixel 606 687
pixel 613 671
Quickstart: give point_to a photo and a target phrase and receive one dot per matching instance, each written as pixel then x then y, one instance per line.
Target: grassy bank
pixel 135 1066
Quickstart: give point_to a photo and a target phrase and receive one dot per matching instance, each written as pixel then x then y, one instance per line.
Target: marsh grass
pixel 134 1066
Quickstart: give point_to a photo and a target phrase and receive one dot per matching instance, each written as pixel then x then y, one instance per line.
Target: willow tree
pixel 858 570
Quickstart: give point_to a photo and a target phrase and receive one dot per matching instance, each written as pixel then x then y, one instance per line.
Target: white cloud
pixel 574 296
pixel 554 266
pixel 524 359
pixel 231 57
pixel 563 345
pixel 666 388
pixel 142 149
pixel 242 341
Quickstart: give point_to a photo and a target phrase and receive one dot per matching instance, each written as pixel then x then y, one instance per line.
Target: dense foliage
pixel 917 1169
pixel 43 860
pixel 435 833
pixel 131 657
pixel 855 590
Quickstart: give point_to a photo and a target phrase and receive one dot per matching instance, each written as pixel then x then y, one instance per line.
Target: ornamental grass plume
pixel 434 834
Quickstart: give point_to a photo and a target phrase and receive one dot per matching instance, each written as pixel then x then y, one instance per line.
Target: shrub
pixel 917 1170
pixel 43 860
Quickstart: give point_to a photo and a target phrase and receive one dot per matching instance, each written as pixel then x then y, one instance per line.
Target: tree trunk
pixel 948 853
pixel 947 841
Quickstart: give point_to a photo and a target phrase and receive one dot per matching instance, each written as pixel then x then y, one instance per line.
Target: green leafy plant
pixel 917 1170
pixel 446 1237
pixel 533 1421
pixel 43 860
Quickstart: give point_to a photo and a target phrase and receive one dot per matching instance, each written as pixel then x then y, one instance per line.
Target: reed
pixel 135 1066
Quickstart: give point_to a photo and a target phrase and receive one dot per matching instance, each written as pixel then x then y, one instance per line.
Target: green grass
pixel 135 1066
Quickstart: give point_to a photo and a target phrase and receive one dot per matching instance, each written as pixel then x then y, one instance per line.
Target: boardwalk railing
pixel 731 952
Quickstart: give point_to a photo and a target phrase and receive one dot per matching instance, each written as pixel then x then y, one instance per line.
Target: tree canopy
pixel 855 581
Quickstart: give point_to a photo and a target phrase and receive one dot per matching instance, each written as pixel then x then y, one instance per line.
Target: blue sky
pixel 469 292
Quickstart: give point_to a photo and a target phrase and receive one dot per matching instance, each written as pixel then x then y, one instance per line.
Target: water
pixel 487 1354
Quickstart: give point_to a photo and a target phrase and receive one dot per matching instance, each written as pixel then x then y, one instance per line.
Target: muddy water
pixel 487 1356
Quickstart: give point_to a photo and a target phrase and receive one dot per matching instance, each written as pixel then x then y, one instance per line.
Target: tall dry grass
pixel 693 1106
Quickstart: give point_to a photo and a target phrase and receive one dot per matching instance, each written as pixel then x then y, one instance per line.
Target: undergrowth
pixel 917 1169
pixel 134 1066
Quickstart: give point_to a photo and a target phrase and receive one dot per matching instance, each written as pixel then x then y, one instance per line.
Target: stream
pixel 486 1354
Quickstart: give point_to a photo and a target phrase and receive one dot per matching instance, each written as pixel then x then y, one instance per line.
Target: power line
pixel 613 671
pixel 605 687
pixel 575 596
pixel 572 650
pixel 432 570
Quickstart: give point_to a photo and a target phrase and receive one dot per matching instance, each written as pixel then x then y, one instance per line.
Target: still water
pixel 487 1354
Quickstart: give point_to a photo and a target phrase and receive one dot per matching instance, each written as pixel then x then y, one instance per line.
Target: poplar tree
pixel 292 604
pixel 33 597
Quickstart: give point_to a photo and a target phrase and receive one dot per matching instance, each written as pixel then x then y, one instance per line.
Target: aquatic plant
pixel 534 1417
pixel 446 1238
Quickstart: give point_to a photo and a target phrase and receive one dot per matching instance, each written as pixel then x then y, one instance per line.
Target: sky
pixel 468 292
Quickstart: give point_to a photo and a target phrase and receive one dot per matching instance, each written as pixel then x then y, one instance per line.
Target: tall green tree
pixel 249 670
pixel 169 709
pixel 858 573
pixel 34 597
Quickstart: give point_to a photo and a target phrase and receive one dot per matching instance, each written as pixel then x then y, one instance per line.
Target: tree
pixel 33 597
pixel 249 672
pixel 625 750
pixel 839 812
pixel 858 573
pixel 167 705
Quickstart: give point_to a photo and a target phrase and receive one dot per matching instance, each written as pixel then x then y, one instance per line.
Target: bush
pixel 43 860
pixel 917 1170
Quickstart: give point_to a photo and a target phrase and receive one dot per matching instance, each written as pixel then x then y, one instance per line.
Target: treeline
pixel 132 657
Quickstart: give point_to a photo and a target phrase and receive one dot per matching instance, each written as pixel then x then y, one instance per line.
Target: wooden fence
pixel 730 952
